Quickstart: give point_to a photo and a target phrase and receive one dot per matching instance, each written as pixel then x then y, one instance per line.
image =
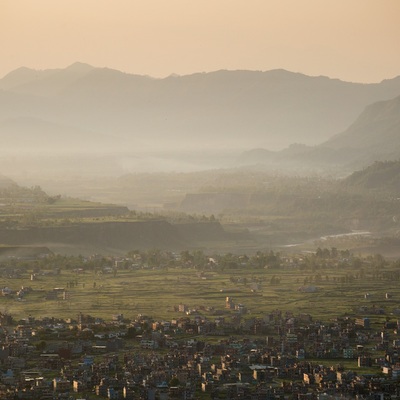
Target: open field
pixel 158 292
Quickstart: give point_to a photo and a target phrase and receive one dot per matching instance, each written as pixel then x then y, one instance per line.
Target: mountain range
pixel 88 109
pixel 373 136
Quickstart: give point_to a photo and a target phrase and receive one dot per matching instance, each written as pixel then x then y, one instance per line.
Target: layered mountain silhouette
pixel 373 136
pixel 377 129
pixel 101 108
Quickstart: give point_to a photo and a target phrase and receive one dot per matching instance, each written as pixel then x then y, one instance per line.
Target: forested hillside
pixel 381 176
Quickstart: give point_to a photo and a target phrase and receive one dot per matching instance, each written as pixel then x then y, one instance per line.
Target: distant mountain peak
pixel 80 67
pixel 19 76
pixel 20 72
pixel 284 73
pixel 391 80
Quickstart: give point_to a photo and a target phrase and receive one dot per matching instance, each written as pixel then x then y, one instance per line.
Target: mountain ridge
pixel 373 136
pixel 242 108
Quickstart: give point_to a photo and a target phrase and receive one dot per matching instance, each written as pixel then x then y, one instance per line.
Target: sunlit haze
pixel 200 199
pixel 297 87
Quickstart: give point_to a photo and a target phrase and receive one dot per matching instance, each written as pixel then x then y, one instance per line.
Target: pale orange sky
pixel 353 40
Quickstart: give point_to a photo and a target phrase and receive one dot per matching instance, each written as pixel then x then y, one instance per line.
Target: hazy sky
pixel 353 40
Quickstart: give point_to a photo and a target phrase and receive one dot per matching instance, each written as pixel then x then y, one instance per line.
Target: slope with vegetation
pixel 29 216
pixel 382 176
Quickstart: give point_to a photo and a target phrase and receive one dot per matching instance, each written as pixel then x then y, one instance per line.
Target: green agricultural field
pixel 158 292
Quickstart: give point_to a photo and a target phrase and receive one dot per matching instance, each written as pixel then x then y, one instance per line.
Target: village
pixel 281 356
pixel 216 350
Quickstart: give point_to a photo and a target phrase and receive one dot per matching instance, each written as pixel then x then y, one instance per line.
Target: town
pixel 215 344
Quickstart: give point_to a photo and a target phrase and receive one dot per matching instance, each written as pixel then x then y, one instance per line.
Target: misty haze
pixel 199 200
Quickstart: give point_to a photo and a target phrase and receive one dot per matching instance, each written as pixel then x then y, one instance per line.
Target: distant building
pixel 363 322
pixel 229 303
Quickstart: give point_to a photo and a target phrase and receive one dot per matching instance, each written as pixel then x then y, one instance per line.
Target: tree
pixel 186 257
pixel 40 346
pixel 174 382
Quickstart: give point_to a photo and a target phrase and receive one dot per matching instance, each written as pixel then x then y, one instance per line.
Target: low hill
pixel 6 182
pixel 30 218
pixel 382 176
pixel 22 206
pixel 116 237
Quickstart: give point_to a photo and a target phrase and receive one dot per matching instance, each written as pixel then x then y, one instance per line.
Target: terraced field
pixel 158 292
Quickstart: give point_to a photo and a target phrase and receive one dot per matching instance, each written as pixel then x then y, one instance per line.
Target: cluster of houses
pixel 281 356
pixel 231 355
